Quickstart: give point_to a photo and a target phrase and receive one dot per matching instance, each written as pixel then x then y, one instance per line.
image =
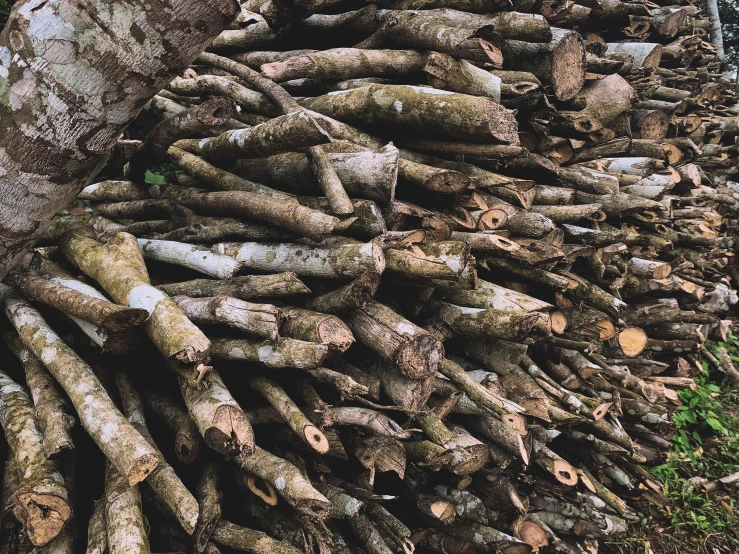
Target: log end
pixel 186 449
pixel 262 489
pixel 533 535
pixel 421 357
pixel 231 433
pixel 564 472
pixel 502 123
pixel 316 439
pixel 632 341
pixel 559 322
pixel 447 182
pixel 124 319
pixel 45 514
pixel 568 67
pixel 143 468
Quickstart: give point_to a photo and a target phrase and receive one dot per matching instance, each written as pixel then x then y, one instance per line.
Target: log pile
pixel 423 276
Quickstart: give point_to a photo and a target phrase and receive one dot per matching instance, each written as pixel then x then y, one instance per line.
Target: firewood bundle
pixel 423 276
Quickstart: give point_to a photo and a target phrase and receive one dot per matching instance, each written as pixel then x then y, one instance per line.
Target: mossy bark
pixel 288 481
pixel 284 352
pixel 412 350
pixel 188 443
pixel 259 320
pixel 124 520
pixel 76 303
pixel 113 434
pixel 334 260
pixel 416 108
pixel 41 497
pixel 242 287
pixel 51 409
pixel 190 256
pixel 120 270
pixel 219 418
pixel 163 480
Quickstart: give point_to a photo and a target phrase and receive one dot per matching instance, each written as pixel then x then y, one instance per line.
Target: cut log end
pixel 124 319
pixel 316 439
pixel 606 329
pixel 442 510
pixel 262 489
pixel 420 357
pixel 231 433
pixel 45 515
pixel 533 535
pixel 559 322
pixel 568 67
pixel 143 468
pixel 336 335
pixel 447 182
pixel 187 452
pixel 632 341
pixel 564 472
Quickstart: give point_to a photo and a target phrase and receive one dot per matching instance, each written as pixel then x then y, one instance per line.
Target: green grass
pixel 705 445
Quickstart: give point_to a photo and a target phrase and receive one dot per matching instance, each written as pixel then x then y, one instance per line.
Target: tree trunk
pixel 717 37
pixel 53 137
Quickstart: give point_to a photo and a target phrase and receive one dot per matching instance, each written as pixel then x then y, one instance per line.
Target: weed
pixel 705 445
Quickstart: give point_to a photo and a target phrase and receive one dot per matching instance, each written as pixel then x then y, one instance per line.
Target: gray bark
pixel 95 66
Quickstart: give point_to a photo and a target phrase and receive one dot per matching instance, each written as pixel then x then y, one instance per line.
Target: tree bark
pixel 53 138
pixel 717 37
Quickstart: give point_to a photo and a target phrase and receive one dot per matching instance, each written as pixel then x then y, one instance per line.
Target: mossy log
pixel 405 29
pixel 334 260
pixel 412 350
pixel 163 480
pixel 187 442
pixel 52 410
pixel 287 480
pixel 124 519
pixel 66 298
pixel 364 174
pixel 447 320
pixel 285 133
pixel 310 326
pixel 243 287
pixel 284 352
pixel 442 263
pixel 218 417
pixel 259 320
pixel 113 434
pixel 120 270
pixel 417 108
pixel 339 64
pixel 41 497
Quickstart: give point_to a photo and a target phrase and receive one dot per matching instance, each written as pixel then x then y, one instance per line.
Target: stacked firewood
pixel 423 276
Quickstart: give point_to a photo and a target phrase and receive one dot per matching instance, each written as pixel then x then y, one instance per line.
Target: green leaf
pixel 154 178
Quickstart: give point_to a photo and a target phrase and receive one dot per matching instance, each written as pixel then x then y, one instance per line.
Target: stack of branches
pixel 419 278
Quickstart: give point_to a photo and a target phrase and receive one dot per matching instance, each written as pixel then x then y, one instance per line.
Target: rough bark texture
pixel 51 409
pixel 41 496
pixel 122 444
pixel 120 270
pixel 46 165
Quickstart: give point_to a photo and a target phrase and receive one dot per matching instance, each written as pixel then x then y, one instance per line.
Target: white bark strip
pixel 190 256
